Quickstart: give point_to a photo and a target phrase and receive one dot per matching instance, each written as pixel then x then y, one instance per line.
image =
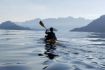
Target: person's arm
pixel 46 31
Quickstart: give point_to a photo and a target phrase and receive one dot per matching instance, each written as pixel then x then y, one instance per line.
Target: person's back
pixel 51 36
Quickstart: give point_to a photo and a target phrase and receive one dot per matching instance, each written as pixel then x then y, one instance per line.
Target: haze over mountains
pixel 67 23
pixel 58 23
pixel 97 25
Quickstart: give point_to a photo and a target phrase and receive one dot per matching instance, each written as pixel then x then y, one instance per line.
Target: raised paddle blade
pixel 42 24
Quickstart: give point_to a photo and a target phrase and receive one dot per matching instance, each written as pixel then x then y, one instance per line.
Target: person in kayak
pixel 50 36
pixel 50 40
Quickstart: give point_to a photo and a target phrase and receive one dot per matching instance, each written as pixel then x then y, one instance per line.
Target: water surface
pixel 80 51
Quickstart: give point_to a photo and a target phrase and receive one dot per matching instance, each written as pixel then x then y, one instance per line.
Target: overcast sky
pixel 21 10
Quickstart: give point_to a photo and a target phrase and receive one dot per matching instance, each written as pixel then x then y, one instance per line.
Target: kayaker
pixel 50 36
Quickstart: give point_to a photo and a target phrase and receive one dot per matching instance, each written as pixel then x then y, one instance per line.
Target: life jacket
pixel 51 38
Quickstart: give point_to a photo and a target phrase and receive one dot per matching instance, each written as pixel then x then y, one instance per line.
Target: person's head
pixel 51 29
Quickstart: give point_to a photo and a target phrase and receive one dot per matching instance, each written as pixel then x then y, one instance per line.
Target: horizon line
pixel 3 20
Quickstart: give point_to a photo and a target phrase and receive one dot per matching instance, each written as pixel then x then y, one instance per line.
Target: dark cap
pixel 51 28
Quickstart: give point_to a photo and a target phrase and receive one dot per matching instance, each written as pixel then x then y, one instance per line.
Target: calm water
pixel 80 51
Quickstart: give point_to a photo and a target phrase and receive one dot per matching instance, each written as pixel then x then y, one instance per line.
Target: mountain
pixel 97 25
pixel 58 23
pixel 12 26
pixel 33 24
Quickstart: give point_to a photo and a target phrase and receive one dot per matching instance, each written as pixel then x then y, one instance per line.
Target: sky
pixel 21 10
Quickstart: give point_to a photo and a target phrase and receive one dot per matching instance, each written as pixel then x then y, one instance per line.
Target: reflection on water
pixel 16 47
pixel 50 51
pixel 14 68
pixel 80 51
pixel 99 38
pixel 98 35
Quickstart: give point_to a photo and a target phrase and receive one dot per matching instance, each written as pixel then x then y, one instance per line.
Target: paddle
pixel 42 24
